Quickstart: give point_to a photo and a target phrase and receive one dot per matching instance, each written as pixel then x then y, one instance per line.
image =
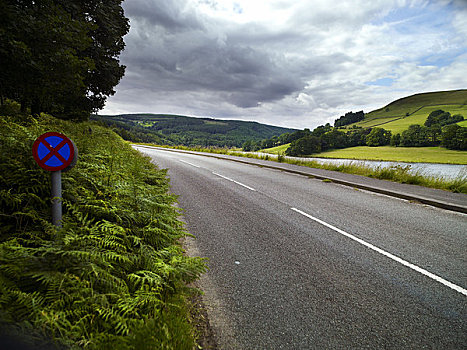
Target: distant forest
pixel 188 131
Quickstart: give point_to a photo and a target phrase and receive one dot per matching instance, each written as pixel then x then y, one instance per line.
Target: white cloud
pixel 290 63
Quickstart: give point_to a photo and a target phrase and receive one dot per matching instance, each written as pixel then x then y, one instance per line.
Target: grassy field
pixel 394 116
pixel 410 104
pixel 276 150
pixel 400 154
pixel 399 124
pixel 420 116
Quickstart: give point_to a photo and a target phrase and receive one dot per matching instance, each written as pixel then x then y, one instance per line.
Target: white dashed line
pixel 389 255
pixel 196 166
pixel 238 183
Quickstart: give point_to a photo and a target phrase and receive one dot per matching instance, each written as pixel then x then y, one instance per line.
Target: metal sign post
pixel 55 152
pixel 56 193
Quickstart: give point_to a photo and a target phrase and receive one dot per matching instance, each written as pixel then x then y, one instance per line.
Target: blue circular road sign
pixel 54 151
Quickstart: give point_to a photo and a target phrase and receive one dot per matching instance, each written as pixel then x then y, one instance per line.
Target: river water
pixel 448 171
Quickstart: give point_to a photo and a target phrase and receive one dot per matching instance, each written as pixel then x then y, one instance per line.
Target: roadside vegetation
pixel 115 276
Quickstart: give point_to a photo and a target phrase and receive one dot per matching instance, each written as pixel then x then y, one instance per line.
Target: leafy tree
pixel 433 132
pixel 454 137
pixel 349 118
pixel 304 146
pixel 320 130
pixel 378 137
pixel 61 56
pixel 247 146
pixel 415 136
pixel 457 118
pixel 433 117
pixel 357 136
pixel 334 139
pixel 395 140
pixel 439 117
pixel 39 65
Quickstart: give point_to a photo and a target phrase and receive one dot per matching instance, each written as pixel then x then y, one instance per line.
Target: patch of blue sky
pixel 417 19
pixel 237 8
pixel 442 59
pixel 381 82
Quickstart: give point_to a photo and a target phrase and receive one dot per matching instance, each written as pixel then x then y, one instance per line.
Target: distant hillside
pixel 398 115
pixel 188 131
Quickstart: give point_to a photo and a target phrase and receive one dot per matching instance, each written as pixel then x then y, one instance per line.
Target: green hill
pixel 399 114
pixel 188 131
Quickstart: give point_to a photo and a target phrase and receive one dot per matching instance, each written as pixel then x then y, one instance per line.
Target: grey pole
pixel 56 178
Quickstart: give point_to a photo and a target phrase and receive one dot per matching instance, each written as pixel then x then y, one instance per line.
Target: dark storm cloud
pixel 172 48
pixel 167 14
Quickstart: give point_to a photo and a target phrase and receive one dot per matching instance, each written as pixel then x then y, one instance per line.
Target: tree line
pixel 439 130
pixel 349 118
pixel 61 56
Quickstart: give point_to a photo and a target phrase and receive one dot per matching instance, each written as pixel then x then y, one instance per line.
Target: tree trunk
pixel 36 107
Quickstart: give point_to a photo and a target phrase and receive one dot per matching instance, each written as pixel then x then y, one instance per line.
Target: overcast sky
pixel 293 63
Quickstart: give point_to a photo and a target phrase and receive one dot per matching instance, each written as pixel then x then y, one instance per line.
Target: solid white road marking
pixel 389 255
pixel 196 166
pixel 238 183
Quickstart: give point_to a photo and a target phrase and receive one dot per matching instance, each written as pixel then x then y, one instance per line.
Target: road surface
pixel 301 263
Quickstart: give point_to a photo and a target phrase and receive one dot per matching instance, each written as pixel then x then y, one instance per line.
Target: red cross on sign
pixel 54 151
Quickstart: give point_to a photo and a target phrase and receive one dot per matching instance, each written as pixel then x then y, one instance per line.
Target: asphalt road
pixel 300 263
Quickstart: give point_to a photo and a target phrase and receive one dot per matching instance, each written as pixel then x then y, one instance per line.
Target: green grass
pixel 401 123
pixel 394 117
pixel 420 117
pixel 410 104
pixel 399 154
pixel 277 149
pixel 463 123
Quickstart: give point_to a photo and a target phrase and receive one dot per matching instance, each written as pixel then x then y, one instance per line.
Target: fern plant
pixel 115 274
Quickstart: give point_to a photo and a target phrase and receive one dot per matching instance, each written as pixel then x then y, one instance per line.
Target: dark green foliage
pixel 395 140
pixel 321 130
pixel 325 137
pixel 451 136
pixel 415 136
pixel 378 137
pixel 441 118
pixel 334 139
pixel 61 56
pixel 275 140
pixel 433 133
pixel 189 131
pixel 115 275
pixel 357 136
pixel 304 146
pixel 454 137
pixel 349 118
